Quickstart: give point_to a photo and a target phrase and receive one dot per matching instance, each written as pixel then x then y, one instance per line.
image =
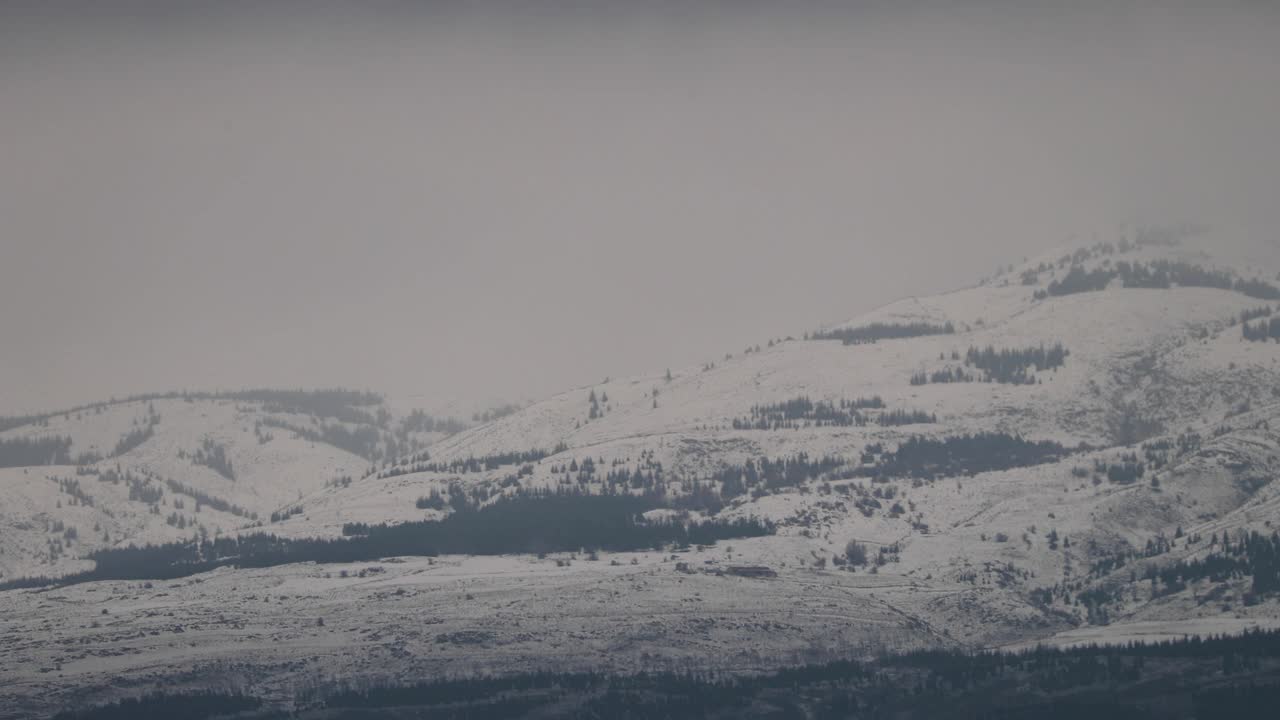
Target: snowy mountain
pixel 166 467
pixel 1049 452
pixel 1141 364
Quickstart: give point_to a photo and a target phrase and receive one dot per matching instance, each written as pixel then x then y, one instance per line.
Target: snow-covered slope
pixel 1160 415
pixel 1145 368
pixel 1175 354
pixel 166 468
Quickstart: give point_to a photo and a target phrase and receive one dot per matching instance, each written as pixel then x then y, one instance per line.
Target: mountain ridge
pixel 1017 461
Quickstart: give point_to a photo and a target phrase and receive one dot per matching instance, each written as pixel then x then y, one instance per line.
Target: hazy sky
pixel 477 201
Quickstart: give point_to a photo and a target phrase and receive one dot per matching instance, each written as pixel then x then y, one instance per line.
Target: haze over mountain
pixel 521 197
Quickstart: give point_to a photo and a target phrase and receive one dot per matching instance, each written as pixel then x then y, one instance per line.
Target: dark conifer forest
pixel 1158 274
pixel 1193 678
pixel 529 522
pixel 883 331
pixel 928 458
pixel 22 452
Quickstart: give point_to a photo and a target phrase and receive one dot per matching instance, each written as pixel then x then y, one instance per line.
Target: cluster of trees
pixel 472 464
pixel 433 501
pixel 619 477
pixel 496 413
pixel 1128 470
pixel 584 473
pixel 1261 331
pixel 285 514
pixel 595 402
pixel 707 493
pixel 133 439
pixel 343 419
pixel 1078 280
pixel 21 451
pixel 178 520
pixel 943 376
pixel 552 521
pixel 804 412
pixel 526 522
pixel 71 486
pixel 1011 365
pixel 927 458
pixel 855 553
pixel 1157 274
pixel 348 406
pixel 454 498
pixel 399 466
pixel 1255 313
pixel 647 475
pixel 1170 236
pixel 773 474
pixel 139 434
pixel 1007 365
pixel 9 422
pixel 364 440
pixel 204 499
pixel 1252 555
pixel 214 456
pixel 1032 276
pixel 905 417
pixel 141 490
pixel 648 481
pixel 419 421
pixel 1127 424
pixel 882 331
pixel 1157 453
pixel 1164 274
pixel 1255 288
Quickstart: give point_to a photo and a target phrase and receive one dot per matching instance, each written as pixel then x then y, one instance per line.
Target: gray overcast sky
pixel 488 202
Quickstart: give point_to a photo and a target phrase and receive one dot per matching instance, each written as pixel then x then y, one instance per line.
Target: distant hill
pixel 168 466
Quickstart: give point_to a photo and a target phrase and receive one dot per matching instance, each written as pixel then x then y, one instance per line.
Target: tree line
pixel 929 458
pixel 23 452
pixel 526 522
pixel 1261 331
pixel 364 441
pixel 321 403
pixel 802 412
pixel 204 499
pixel 212 455
pixel 1199 678
pixel 1157 274
pixel 882 331
pixel 422 463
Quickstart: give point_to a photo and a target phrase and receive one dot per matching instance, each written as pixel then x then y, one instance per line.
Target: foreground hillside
pixel 1080 447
